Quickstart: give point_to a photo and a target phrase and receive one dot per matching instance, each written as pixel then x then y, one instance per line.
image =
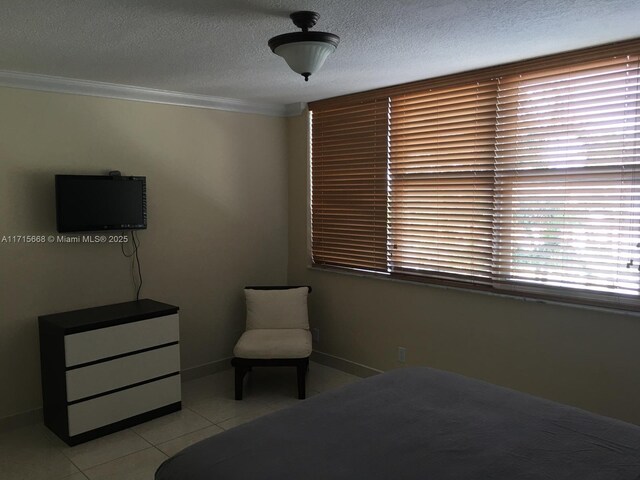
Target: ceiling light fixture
pixel 304 51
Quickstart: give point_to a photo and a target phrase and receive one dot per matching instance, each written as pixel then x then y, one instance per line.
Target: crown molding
pixel 294 109
pixel 48 83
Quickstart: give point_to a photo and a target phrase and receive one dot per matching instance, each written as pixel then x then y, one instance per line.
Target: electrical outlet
pixel 402 354
pixel 315 334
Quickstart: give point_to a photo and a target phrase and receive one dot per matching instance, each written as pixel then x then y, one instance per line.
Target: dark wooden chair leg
pixel 302 373
pixel 240 372
pixel 243 366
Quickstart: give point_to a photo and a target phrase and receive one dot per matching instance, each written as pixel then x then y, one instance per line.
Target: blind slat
pixel 349 186
pixel 572 187
pixel 523 177
pixel 430 149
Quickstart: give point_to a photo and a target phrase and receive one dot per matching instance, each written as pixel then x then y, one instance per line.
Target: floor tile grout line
pixel 269 410
pixel 49 436
pixel 219 421
pixel 326 378
pixel 132 430
pixel 115 458
pixel 266 410
pixel 210 424
pixel 198 415
pixel 74 473
pixel 72 463
pixel 185 434
pixel 84 472
pixel 149 445
pixel 161 452
pixel 53 441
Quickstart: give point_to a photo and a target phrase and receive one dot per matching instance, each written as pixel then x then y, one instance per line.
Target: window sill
pixel 488 291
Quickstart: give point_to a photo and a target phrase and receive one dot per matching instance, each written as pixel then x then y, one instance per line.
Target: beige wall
pixel 217 196
pixel 577 356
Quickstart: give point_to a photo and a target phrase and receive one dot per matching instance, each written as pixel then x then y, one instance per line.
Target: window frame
pixel 564 295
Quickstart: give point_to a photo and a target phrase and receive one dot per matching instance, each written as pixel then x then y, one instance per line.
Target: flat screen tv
pixel 100 202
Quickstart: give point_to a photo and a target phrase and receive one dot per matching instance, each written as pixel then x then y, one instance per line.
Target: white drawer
pixel 107 342
pixel 102 377
pixel 101 411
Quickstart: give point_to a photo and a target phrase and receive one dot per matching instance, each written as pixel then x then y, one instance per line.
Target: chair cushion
pixel 274 343
pixel 277 308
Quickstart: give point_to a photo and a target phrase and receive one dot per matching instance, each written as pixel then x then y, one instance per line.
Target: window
pixel 523 178
pixel 441 181
pixel 349 186
pixel 567 205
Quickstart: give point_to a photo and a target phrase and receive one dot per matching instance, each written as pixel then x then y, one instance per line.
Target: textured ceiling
pixel 219 47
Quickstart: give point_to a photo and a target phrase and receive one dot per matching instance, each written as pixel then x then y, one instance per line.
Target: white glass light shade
pixel 305 57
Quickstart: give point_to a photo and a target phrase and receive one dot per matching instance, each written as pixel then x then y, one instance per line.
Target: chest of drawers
pixel 108 368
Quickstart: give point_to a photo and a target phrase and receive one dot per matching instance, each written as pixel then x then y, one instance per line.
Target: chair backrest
pixel 277 307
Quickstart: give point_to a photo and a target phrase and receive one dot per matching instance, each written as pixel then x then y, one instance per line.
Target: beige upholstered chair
pixel 277 333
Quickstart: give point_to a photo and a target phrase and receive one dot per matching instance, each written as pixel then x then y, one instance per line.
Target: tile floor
pixel 208 408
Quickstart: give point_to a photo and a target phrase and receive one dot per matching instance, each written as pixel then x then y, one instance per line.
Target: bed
pixel 417 423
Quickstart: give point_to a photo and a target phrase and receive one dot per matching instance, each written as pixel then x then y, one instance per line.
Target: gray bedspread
pixel 417 423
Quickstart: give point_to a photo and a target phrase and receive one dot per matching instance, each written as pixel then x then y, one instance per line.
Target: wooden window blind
pixel 567 209
pixel 441 181
pixel 518 178
pixel 349 185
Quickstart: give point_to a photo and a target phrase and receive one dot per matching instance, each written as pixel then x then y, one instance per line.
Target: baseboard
pixel 344 365
pixel 21 419
pixel 206 369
